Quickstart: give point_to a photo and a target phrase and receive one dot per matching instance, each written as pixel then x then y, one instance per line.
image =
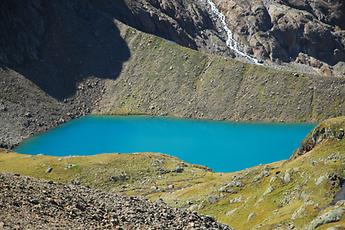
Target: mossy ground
pixel 264 199
pixel 163 78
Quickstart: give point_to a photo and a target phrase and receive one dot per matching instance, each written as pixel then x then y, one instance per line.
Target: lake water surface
pixel 222 146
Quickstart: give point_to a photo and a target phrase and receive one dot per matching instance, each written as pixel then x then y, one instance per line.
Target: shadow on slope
pixel 56 44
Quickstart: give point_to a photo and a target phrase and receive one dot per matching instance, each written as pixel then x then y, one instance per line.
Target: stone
pixel 119 178
pixel 229 213
pixel 236 200
pixel 250 216
pixel 268 190
pixel 154 187
pixel 201 205
pixel 212 199
pixel 28 115
pixel 320 180
pixel 49 170
pixel 171 186
pixel 43 205
pixel 329 217
pixel 287 178
pixel 179 169
pixel 341 134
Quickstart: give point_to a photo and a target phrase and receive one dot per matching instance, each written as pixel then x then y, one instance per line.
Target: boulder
pixel 331 216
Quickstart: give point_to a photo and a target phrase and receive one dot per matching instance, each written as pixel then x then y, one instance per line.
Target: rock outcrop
pixel 188 23
pixel 308 32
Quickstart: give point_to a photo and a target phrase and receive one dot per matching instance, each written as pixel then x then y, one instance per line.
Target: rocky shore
pixel 25 109
pixel 27 203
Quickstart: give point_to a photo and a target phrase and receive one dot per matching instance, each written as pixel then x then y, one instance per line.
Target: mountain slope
pixel 309 32
pixel 162 78
pixel 110 68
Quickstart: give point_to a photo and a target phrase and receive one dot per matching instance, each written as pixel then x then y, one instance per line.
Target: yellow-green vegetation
pixel 278 195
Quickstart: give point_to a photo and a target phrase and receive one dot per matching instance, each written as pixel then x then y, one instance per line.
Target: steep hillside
pixel 306 192
pixel 162 78
pixel 308 32
pixel 311 32
pixel 188 23
pixel 55 74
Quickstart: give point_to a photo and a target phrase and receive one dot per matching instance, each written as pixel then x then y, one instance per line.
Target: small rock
pixel 28 115
pixel 229 213
pixel 329 217
pixel 212 199
pixel 320 180
pixel 201 205
pixel 341 134
pixel 154 187
pixel 250 216
pixel 179 169
pixel 268 190
pixel 49 170
pixel 287 178
pixel 236 200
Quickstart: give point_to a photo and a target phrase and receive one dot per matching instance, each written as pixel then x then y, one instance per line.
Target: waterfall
pixel 230 41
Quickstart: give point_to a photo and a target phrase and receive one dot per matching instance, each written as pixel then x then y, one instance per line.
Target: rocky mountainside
pixel 310 32
pixel 27 203
pixel 51 74
pixel 187 23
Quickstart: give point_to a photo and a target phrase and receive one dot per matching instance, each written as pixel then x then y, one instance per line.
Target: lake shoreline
pixel 187 139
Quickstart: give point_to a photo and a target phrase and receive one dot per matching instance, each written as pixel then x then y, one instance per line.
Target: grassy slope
pixel 199 190
pixel 163 78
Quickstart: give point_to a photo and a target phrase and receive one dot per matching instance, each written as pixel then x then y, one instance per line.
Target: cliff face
pixel 187 23
pixel 22 28
pixel 307 32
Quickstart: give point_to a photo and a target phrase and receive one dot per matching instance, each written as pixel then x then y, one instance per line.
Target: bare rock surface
pixel 27 203
pixel 310 32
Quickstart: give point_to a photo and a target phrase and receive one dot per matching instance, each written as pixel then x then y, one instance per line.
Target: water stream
pixel 230 42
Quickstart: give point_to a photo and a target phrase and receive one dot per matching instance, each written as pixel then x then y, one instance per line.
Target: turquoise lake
pixel 222 146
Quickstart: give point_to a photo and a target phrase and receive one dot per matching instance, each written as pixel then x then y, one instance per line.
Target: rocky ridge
pixel 29 203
